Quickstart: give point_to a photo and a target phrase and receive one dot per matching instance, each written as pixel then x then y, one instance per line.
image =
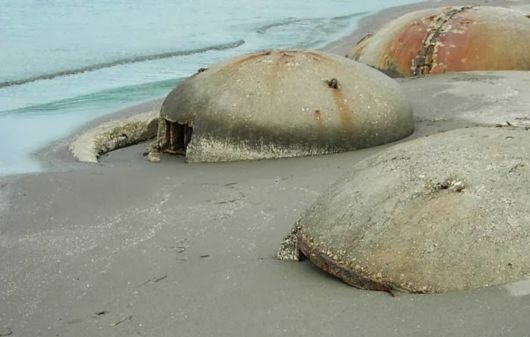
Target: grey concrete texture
pixel 449 39
pixel 57 155
pixel 472 98
pixel 442 213
pixel 283 104
pixel 115 134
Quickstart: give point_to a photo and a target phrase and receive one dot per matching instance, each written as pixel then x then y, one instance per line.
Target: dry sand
pixel 129 248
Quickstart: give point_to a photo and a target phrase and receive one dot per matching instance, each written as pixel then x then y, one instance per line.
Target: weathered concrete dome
pixel 449 39
pixel 441 213
pixel 282 104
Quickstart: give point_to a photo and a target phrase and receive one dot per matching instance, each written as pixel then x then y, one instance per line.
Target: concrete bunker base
pixel 477 98
pixel 114 134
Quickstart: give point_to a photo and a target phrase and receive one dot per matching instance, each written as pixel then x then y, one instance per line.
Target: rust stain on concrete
pixel 463 38
pixel 345 113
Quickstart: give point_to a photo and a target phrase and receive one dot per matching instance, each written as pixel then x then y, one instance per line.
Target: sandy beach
pixel 131 248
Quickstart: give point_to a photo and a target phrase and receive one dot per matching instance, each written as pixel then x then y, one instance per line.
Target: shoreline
pixel 57 156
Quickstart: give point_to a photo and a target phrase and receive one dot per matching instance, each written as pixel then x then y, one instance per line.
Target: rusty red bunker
pixel 449 39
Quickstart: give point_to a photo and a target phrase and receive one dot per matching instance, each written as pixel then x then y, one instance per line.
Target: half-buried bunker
pixel 277 104
pixel 441 213
pixel 449 39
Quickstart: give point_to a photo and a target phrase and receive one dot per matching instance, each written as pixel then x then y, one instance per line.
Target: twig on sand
pixel 153 280
pixel 128 318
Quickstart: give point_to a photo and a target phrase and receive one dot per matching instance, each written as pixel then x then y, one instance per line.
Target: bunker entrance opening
pixel 178 136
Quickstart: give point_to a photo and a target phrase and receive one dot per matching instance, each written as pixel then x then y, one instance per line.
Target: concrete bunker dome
pixel 285 103
pixel 449 39
pixel 442 213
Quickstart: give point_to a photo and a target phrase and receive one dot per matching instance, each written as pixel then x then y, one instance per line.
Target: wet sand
pixel 130 248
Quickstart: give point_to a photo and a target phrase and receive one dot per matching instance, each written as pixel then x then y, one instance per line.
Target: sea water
pixel 65 62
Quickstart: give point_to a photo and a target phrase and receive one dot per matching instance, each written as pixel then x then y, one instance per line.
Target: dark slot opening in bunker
pixel 178 136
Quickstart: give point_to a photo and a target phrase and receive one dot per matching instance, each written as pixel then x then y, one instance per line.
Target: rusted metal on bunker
pixel 441 213
pixel 284 103
pixel 449 39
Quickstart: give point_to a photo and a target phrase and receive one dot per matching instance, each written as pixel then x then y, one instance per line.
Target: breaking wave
pixel 122 61
pixel 124 95
pixel 311 21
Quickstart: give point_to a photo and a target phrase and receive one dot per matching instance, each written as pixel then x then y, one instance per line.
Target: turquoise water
pixel 65 62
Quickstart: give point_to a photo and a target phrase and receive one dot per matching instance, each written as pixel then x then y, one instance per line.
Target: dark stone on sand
pixel 5 332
